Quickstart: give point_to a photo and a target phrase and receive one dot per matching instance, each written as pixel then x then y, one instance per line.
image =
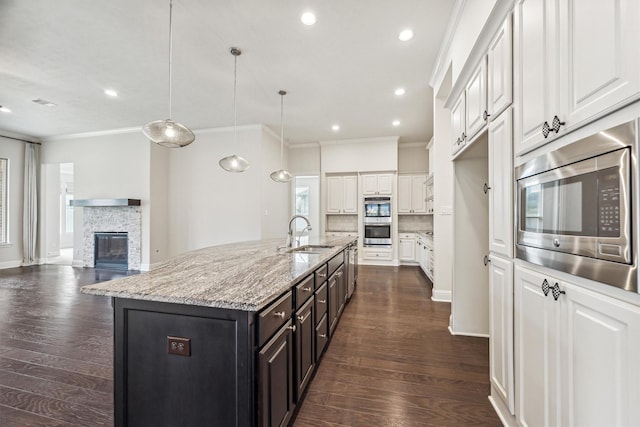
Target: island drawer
pixel 321 301
pixel 304 290
pixel 335 262
pixel 273 317
pixel 321 275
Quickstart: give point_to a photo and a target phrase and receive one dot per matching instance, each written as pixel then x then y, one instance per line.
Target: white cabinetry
pixel 476 101
pixel 407 247
pixel 499 71
pixel 576 354
pixel 342 194
pixel 457 124
pixel 575 61
pixel 429 195
pixel 424 254
pixel 377 184
pixel 377 254
pixel 412 195
pixel 500 185
pixel 501 329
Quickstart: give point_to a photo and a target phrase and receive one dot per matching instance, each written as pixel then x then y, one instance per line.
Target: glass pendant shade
pixel 167 132
pixel 281 175
pixel 234 163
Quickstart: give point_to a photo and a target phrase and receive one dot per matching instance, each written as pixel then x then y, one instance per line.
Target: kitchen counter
pixel 240 276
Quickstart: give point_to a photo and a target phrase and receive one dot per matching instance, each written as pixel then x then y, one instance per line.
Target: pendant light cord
pixel 235 109
pixel 170 51
pixel 281 131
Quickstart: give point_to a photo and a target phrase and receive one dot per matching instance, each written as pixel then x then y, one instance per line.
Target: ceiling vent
pixel 44 102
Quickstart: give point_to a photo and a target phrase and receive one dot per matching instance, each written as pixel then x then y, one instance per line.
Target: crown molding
pixel 442 60
pixel 19 136
pixel 361 140
pixel 412 144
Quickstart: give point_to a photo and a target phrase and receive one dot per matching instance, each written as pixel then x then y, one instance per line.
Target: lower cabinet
pixel 407 250
pixel 276 389
pixel 576 354
pixel 334 304
pixel 305 360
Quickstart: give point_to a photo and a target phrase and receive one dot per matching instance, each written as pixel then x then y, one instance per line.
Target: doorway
pixel 59 214
pixel 306 201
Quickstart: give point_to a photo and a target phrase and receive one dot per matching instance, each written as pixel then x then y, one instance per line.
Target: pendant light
pixel 281 175
pixel 167 132
pixel 234 163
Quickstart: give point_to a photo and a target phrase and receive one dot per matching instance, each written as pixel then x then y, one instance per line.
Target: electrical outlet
pixel 179 346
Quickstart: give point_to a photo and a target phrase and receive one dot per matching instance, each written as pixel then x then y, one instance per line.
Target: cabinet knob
pixel 485 115
pixel 485 188
pixel 279 314
pixel 292 328
pixel 556 292
pixel 545 287
pixel 307 289
pixel 486 260
pixel 463 136
pixel 322 301
pixel 322 274
pixel 323 335
pixel 303 318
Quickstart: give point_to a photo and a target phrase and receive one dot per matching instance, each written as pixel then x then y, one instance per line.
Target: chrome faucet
pixel 290 232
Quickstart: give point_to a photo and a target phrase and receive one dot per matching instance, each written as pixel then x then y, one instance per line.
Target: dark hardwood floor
pixel 392 361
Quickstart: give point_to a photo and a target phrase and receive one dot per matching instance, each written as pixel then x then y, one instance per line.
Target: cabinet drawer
pixel 335 262
pixel 321 275
pixel 321 301
pixel 373 254
pixel 304 290
pixel 274 316
pixel 322 337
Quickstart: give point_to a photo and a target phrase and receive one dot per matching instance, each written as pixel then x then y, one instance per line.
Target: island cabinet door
pixel 275 379
pixel 334 303
pixel 304 358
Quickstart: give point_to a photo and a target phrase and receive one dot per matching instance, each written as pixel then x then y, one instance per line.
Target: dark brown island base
pixel 225 336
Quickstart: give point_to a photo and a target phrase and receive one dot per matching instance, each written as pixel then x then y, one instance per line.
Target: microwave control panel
pixel 608 203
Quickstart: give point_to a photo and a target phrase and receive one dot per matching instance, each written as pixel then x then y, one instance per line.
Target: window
pixel 4 174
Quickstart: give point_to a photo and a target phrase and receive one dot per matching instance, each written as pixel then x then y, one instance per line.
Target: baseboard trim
pixel 440 296
pixel 506 418
pixel 10 264
pixel 468 334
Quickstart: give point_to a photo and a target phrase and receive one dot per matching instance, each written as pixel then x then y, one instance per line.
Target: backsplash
pixel 411 223
pixel 342 223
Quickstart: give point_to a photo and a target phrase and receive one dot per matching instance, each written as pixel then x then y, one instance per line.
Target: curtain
pixel 30 208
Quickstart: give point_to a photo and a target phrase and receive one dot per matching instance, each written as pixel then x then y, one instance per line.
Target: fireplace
pixel 111 250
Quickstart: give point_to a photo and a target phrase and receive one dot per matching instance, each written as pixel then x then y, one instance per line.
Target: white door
pixel 500 71
pixel 418 193
pixel 501 329
pixel 601 55
pixel 404 194
pixel 476 100
pixel 501 183
pixel 457 124
pixel 535 331
pixel 370 184
pixel 335 194
pixel 350 201
pixel 601 375
pixel 385 184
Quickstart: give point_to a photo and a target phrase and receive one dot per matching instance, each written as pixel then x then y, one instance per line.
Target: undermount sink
pixel 311 249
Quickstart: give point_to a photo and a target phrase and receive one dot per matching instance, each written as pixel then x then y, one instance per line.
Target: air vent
pixel 44 102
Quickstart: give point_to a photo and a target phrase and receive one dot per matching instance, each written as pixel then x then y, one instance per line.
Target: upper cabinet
pixel 575 61
pixel 375 184
pixel 342 194
pixel 457 124
pixel 476 101
pixel 500 71
pixel 412 194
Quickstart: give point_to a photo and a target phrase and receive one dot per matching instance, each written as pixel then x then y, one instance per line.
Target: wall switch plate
pixel 179 346
pixel 446 210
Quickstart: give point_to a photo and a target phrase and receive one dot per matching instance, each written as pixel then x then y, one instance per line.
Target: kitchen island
pixel 225 336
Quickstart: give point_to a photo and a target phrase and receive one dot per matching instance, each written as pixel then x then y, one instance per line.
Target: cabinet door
pixel 501 329
pixel 418 194
pixel 535 81
pixel 305 337
pixel 404 194
pixel 501 183
pixel 500 71
pixel 275 388
pixel 457 124
pixel 335 194
pixel 334 304
pixel 370 184
pixel 600 376
pixel 322 337
pixel 600 60
pixel 407 249
pixel 385 184
pixel 535 323
pixel 350 200
pixel 476 100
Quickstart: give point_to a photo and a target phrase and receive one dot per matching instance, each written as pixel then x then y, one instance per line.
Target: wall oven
pixel 575 208
pixel 377 221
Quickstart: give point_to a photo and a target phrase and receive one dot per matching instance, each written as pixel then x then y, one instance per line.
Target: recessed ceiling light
pixel 400 91
pixel 44 102
pixel 5 109
pixel 110 92
pixel 405 35
pixel 308 18
pixel 396 123
pixel 335 128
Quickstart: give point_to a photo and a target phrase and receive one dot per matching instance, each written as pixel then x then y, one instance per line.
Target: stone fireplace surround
pixel 104 219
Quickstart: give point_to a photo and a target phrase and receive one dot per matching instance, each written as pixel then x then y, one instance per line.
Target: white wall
pixel 360 155
pixel 276 206
pixel 413 157
pixel 304 159
pixel 11 254
pixel 49 215
pixel 160 176
pixel 106 166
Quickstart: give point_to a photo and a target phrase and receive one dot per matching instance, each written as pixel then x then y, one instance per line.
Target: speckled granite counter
pixel 241 276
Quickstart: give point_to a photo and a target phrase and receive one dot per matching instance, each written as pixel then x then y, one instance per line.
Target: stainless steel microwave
pixel 575 208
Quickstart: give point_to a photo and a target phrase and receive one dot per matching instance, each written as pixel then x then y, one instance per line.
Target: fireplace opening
pixel 111 251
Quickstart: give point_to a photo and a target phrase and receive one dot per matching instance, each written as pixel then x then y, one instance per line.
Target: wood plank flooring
pixel 391 362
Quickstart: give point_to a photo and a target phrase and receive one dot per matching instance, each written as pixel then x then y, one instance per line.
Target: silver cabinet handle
pixel 292 328
pixel 279 314
pixel 303 318
pixel 323 335
pixel 322 301
pixel 322 274
pixel 307 289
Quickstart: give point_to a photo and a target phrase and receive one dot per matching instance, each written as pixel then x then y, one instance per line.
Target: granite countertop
pixel 241 276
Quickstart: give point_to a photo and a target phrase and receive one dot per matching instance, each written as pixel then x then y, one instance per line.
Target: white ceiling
pixel 343 70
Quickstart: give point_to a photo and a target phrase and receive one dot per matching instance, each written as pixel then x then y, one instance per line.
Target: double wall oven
pixel 377 221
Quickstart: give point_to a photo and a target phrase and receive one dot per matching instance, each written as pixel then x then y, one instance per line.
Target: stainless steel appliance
pixel 352 271
pixel 377 221
pixel 575 208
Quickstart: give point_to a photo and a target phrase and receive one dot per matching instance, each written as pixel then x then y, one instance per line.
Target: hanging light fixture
pixel 234 163
pixel 281 175
pixel 167 132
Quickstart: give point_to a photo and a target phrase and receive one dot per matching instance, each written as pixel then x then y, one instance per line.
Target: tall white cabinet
pixel 412 194
pixel 500 187
pixel 342 194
